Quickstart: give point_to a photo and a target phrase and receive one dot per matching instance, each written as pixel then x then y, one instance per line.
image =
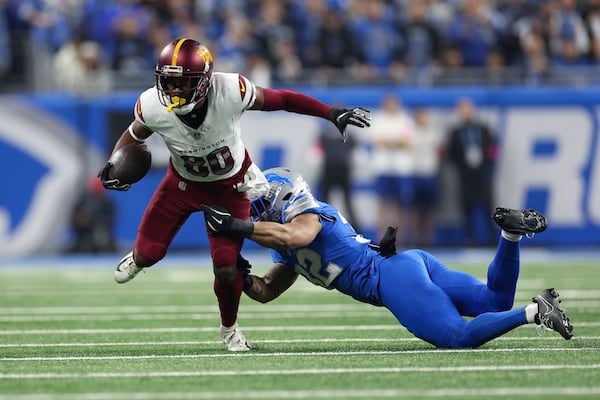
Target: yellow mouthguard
pixel 176 101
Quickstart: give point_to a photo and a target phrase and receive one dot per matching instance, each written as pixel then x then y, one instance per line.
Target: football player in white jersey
pixel 197 113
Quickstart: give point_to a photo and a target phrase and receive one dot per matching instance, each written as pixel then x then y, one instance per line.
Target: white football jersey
pixel 215 150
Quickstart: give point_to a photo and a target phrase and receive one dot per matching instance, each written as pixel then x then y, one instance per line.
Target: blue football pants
pixel 430 300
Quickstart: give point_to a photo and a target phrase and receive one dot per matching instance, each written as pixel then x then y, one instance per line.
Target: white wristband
pixel 134 136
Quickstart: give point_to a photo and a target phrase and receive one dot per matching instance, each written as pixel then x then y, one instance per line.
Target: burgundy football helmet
pixel 183 74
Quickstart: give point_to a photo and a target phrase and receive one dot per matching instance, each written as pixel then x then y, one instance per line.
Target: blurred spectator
pixel 475 32
pixel 5 39
pixel 422 42
pixel 307 19
pixel 495 72
pixel 270 31
pixel 177 18
pixel 93 220
pixel 569 38
pixel 316 41
pixel 380 40
pixel 52 23
pixel 426 151
pixel 339 57
pixel 592 19
pixel 536 66
pixel 452 61
pixel 124 28
pixel 336 170
pixel 79 68
pixel 472 150
pixel 393 132
pixel 235 45
pixel 288 67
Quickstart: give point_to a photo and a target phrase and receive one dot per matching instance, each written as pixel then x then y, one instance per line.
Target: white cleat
pixel 234 339
pixel 127 269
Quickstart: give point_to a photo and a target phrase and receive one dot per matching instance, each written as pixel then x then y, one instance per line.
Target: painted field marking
pixel 292 354
pixel 318 394
pixel 307 371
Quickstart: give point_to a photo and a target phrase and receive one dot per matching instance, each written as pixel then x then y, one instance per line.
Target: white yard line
pixel 579 301
pixel 195 316
pixel 298 354
pixel 552 392
pixel 266 341
pixel 213 329
pixel 307 371
pixel 183 308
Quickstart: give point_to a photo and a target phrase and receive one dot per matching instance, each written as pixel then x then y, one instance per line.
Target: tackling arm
pixel 276 281
pixel 301 231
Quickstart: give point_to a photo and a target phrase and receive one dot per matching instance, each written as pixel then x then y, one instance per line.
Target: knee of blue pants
pixel 501 302
pixel 456 337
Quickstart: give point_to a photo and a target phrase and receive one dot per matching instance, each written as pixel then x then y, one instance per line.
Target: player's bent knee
pixel 503 303
pixel 226 275
pixel 224 261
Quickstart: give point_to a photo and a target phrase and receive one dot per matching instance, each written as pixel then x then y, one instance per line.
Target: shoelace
pixel 542 329
pixel 131 269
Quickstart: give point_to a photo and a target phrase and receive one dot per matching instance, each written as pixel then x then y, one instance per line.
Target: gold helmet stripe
pixel 176 51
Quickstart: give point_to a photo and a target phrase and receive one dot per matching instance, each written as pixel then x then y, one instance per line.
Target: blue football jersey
pixel 338 258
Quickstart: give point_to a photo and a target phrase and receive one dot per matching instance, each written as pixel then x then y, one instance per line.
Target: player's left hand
pixel 341 117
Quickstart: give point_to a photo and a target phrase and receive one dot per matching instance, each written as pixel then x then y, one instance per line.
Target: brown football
pixel 130 163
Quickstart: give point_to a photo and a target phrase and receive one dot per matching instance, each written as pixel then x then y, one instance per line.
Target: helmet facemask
pixel 183 74
pixel 181 92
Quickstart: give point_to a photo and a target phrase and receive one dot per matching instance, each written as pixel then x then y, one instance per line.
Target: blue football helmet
pixel 289 195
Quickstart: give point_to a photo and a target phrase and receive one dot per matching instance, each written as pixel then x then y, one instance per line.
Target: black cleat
pixel 550 316
pixel 520 222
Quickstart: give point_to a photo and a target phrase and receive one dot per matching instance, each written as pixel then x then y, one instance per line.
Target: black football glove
pixel 244 266
pixel 387 245
pixel 341 117
pixel 218 219
pixel 113 184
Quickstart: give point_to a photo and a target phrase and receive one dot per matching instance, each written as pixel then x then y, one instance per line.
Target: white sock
pixel 512 237
pixel 531 310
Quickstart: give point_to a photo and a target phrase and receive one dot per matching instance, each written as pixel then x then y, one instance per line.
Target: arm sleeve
pixel 292 101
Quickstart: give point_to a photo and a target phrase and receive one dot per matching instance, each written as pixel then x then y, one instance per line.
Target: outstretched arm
pixel 301 231
pixel 292 101
pixel 297 233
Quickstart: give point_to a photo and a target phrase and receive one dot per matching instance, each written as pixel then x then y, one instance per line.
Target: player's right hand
pixel 112 184
pixel 244 266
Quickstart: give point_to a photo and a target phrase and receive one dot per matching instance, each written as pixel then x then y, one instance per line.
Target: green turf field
pixel 72 333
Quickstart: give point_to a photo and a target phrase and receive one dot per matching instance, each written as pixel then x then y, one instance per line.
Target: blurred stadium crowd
pixel 102 45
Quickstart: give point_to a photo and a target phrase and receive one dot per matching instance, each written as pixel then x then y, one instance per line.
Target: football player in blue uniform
pixel 312 238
